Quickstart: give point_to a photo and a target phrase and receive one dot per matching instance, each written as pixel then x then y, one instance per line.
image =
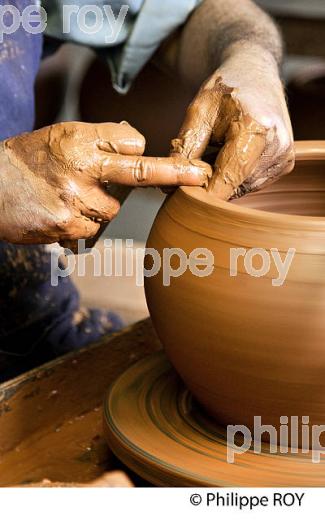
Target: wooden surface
pixel 51 417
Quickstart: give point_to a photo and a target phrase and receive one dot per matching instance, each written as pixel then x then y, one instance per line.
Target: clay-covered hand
pixel 242 106
pixel 53 180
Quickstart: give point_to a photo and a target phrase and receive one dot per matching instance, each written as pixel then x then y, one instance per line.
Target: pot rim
pixel 305 151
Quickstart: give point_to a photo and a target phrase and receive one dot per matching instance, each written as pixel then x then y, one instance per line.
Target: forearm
pixel 217 30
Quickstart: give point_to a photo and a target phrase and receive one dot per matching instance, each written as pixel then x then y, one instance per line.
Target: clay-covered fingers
pixel 81 145
pixel 120 138
pixel 239 157
pixel 96 209
pixel 204 116
pixel 154 171
pixel 198 125
pixel 64 229
pixel 97 204
pixel 79 227
pixel 269 171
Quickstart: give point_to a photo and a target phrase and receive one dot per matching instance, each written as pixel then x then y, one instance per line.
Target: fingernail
pixel 176 147
pixel 107 146
pixel 202 169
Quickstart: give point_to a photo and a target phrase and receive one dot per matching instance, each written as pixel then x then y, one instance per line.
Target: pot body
pixel 247 347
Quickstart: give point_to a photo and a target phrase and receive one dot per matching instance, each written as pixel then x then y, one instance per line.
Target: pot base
pixel 156 428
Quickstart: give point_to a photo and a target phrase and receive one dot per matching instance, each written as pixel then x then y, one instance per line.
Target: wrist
pixel 250 64
pixel 251 54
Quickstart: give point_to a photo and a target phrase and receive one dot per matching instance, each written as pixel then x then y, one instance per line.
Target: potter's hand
pixel 243 106
pixel 53 180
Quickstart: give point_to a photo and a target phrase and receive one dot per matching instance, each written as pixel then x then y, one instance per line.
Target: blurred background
pixel 74 85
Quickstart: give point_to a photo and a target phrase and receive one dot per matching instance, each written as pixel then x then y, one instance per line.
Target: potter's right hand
pixel 53 180
pixel 242 107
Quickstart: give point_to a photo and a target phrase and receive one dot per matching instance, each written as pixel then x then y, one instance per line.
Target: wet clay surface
pixel 75 448
pixel 252 348
pixel 51 418
pixel 245 162
pixel 155 426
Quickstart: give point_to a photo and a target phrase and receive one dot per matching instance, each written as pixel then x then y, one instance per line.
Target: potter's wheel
pixel 154 426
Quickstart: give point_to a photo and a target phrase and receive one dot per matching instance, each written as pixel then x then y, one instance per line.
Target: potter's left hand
pixel 243 106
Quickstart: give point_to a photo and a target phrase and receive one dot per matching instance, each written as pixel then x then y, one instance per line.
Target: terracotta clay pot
pixel 244 346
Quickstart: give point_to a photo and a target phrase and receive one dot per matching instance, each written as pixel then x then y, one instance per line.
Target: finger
pixel 284 165
pixel 239 157
pixel 98 204
pixel 154 171
pixel 120 138
pixel 264 176
pixel 91 242
pixel 107 205
pixel 80 228
pixel 200 119
pixel 99 208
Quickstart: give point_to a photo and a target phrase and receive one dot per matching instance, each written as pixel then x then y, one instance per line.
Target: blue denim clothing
pixel 20 55
pixel 38 321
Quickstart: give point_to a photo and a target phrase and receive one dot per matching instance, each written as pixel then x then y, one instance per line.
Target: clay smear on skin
pixel 244 163
pixel 59 173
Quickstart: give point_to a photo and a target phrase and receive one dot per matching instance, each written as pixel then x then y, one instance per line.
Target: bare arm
pixel 216 29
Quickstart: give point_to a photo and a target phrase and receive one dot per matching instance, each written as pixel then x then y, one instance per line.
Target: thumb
pixel 239 157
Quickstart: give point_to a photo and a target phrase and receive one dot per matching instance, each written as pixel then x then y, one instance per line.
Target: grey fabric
pixel 134 5
pixel 147 24
pixel 155 22
pixel 55 22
